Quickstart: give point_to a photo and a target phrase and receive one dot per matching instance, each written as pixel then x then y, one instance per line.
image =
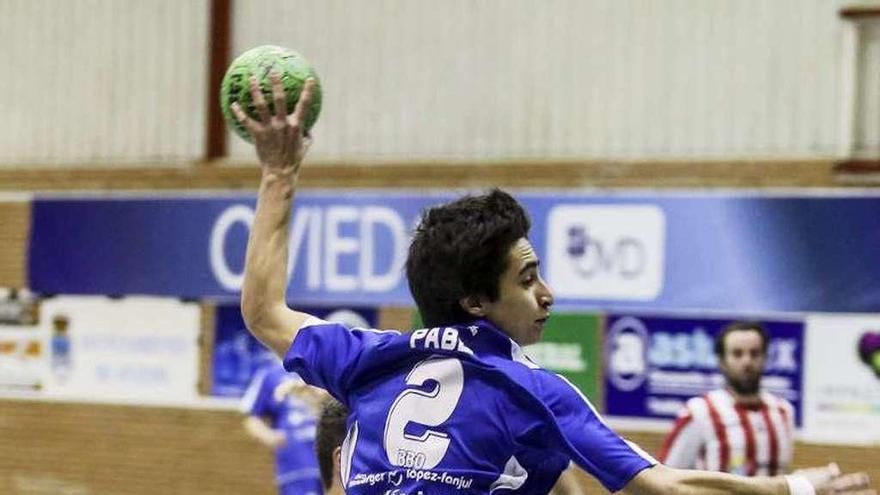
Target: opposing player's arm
pixel 281 146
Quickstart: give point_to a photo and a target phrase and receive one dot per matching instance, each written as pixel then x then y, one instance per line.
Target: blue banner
pixel 237 354
pixel 654 365
pixel 628 250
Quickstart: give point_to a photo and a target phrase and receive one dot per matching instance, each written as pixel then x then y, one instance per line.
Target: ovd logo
pixel 606 251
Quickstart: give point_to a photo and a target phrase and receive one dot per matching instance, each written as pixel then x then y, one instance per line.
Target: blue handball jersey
pixel 295 461
pixel 456 410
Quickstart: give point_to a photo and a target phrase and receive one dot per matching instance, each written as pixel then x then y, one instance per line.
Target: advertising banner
pixel 237 354
pixel 142 350
pixel 571 347
pixel 628 250
pixel 653 365
pixel 83 348
pixel 23 353
pixel 842 380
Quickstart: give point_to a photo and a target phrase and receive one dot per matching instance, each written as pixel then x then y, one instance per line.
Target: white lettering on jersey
pixel 431 408
pixel 438 338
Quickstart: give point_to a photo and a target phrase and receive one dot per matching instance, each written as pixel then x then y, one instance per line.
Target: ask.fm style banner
pixel 653 365
pixel 625 250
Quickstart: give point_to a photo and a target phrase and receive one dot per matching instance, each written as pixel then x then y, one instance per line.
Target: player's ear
pixel 473 305
pixel 337 463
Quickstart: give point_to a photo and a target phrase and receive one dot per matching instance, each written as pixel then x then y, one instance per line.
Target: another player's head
pixel 328 444
pixel 471 259
pixel 741 348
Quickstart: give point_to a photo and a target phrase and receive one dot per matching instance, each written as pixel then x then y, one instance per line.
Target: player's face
pixel 743 361
pixel 524 300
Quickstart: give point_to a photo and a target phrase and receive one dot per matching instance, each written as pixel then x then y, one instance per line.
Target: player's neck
pixel 746 400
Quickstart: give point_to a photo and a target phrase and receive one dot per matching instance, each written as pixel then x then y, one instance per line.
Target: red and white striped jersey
pixel 715 433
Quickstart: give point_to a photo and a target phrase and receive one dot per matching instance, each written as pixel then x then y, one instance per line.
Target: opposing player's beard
pixel 744 385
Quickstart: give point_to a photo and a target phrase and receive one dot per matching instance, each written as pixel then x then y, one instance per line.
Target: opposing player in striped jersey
pixel 739 429
pixel 456 408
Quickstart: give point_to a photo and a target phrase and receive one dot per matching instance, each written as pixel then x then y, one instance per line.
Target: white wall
pixel 123 81
pixel 109 81
pixel 557 78
pixel 866 142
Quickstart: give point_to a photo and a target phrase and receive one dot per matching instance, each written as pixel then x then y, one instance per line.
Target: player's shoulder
pixel 776 401
pixel 699 406
pixel 334 329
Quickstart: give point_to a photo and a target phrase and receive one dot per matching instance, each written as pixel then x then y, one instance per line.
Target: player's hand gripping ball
pixel 259 61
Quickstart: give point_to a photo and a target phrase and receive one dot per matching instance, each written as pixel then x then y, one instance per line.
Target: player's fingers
pixel 851 482
pixel 279 101
pixel 242 117
pixel 307 141
pixel 259 100
pixel 304 99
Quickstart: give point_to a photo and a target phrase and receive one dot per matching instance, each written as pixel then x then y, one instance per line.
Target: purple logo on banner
pixel 654 365
pixel 237 354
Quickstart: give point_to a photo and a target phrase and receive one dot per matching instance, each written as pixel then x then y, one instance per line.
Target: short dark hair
pixel 738 326
pixel 461 249
pixel 330 434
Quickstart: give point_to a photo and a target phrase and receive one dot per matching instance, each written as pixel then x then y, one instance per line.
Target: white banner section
pixel 841 390
pixel 131 350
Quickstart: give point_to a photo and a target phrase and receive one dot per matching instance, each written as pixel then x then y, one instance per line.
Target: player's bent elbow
pixel 259 318
pixel 253 312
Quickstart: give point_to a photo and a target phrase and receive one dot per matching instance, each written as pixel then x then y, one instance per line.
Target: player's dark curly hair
pixel 460 249
pixel 330 434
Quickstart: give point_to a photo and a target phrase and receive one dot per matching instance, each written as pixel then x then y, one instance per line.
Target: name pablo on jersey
pixel 439 338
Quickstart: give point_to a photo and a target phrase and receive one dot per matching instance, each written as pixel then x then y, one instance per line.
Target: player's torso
pixel 433 415
pixel 298 423
pixel 745 441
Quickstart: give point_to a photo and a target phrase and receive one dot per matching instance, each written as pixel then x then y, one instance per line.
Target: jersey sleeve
pixel 681 447
pixel 329 355
pixel 257 399
pixel 589 441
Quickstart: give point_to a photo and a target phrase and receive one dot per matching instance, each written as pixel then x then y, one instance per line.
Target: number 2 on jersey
pixel 427 408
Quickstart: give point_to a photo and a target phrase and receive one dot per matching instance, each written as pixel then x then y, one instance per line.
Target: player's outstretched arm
pixel 821 481
pixel 281 146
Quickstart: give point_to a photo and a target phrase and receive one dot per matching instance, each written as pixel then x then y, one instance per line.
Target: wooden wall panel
pixel 53 448
pixel 15 221
pixel 444 175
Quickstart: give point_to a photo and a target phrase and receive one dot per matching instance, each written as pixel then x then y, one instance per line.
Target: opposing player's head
pixel 471 259
pixel 741 348
pixel 328 444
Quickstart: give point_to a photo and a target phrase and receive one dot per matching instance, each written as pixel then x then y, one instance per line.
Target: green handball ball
pixel 259 61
